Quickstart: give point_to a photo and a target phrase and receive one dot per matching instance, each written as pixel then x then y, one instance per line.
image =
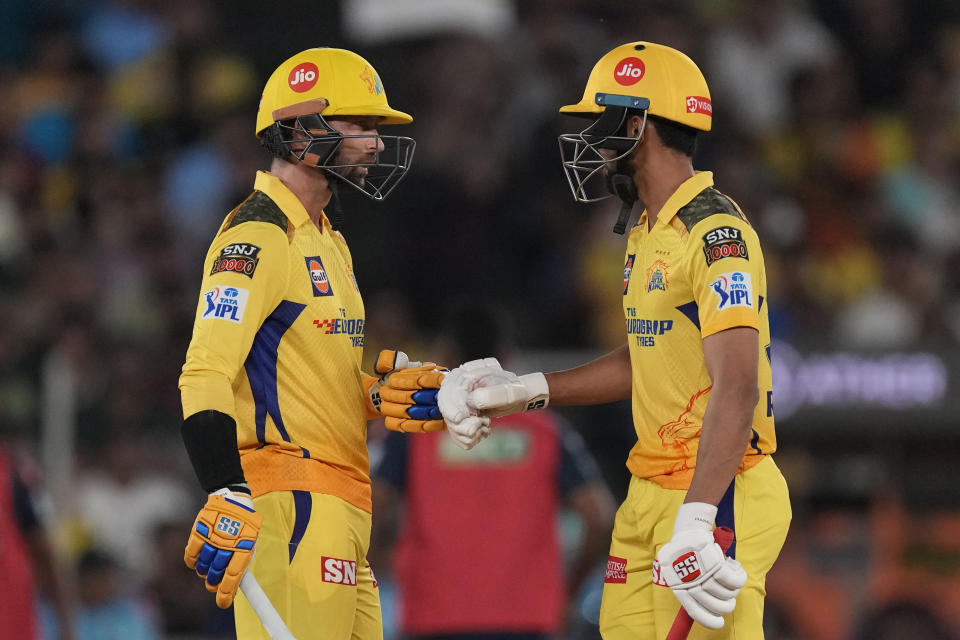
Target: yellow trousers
pixel 311 562
pixel 757 507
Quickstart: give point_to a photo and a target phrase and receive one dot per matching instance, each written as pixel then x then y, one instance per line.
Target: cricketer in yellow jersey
pixel 274 400
pixel 695 363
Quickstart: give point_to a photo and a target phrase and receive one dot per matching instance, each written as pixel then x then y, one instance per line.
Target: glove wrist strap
pixel 229 493
pixel 695 515
pixel 538 390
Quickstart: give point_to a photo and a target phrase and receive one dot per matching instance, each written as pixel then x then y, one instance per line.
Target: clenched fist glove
pixel 406 393
pixel 504 393
pixel 465 425
pixel 222 541
pixel 703 579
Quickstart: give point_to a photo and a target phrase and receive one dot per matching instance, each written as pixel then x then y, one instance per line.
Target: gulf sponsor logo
pixel 629 71
pixel 616 570
pixel 337 571
pixel 225 303
pixel 318 277
pixel 699 104
pixel 733 289
pixel 303 77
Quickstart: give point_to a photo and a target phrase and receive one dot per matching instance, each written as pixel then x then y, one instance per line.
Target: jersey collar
pixel 686 192
pixel 279 193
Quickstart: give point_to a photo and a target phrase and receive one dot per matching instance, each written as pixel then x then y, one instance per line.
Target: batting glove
pixel 501 393
pixel 221 542
pixel 464 425
pixel 703 579
pixel 406 393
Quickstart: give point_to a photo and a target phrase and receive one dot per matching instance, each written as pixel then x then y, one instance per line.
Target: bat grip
pixel 682 624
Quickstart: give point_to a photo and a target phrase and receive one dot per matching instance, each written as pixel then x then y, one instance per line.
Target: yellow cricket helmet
pixel 664 79
pixel 322 84
pixel 342 79
pixel 637 78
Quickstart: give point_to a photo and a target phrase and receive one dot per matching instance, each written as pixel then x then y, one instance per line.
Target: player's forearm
pixel 606 379
pixel 726 431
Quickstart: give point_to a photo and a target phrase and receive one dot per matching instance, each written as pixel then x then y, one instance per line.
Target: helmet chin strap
pixel 621 185
pixel 337 221
pixel 621 182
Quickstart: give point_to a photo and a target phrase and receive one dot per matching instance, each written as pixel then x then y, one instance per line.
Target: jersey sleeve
pixel 245 277
pixel 725 267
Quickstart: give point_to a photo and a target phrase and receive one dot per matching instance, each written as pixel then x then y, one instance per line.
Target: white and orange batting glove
pixel 692 564
pixel 222 541
pixel 406 393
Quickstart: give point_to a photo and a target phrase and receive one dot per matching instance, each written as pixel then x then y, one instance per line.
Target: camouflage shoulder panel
pixel 708 202
pixel 259 208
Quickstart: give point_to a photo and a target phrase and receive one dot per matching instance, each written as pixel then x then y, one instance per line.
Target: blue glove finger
pixel 207 554
pixel 219 565
pixel 418 411
pixel 424 412
pixel 425 396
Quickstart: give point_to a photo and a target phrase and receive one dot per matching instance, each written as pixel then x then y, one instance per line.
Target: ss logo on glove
pixel 228 526
pixel 687 567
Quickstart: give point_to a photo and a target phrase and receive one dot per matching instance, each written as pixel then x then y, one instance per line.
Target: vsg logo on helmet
pixel 699 104
pixel 303 77
pixel 629 71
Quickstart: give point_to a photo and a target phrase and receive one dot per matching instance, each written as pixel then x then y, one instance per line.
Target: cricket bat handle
pixel 264 609
pixel 682 624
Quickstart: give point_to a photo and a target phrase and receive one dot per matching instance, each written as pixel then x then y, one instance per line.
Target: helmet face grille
pixel 585 155
pixel 311 140
pixel 383 172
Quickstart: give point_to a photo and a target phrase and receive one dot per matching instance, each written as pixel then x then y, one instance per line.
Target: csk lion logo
pixel 372 80
pixel 676 434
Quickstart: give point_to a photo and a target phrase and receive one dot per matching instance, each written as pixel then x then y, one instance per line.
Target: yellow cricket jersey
pixel 697 272
pixel 277 344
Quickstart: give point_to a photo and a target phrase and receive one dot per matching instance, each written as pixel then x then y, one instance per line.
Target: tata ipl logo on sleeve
pixel 733 289
pixel 627 270
pixel 225 303
pixel 318 277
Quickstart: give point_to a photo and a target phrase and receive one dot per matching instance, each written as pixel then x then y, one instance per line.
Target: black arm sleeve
pixel 211 441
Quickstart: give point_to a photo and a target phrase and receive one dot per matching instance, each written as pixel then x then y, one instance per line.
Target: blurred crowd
pixel 126 134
